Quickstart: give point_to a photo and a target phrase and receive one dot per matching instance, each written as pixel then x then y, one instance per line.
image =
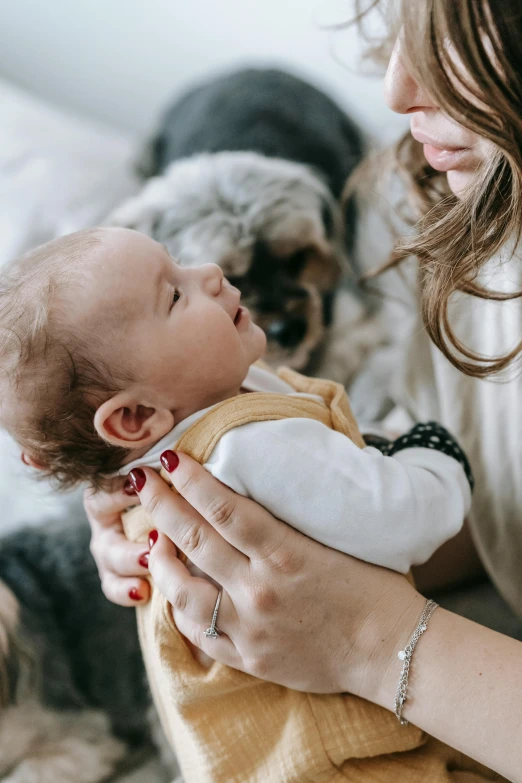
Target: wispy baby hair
pixel 51 381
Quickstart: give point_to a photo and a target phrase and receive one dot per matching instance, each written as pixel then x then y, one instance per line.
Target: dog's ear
pixel 310 245
pixel 328 217
pixel 326 261
pixel 322 268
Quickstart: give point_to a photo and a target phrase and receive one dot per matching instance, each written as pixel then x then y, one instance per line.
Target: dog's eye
pixel 296 263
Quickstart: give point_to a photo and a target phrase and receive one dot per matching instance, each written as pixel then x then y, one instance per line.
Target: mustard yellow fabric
pixel 228 727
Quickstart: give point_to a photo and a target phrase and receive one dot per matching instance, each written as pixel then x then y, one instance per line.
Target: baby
pixel 111 353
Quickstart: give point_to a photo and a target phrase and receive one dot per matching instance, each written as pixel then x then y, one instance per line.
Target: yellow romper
pixel 228 727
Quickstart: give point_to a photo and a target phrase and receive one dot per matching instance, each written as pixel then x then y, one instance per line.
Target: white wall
pixel 122 60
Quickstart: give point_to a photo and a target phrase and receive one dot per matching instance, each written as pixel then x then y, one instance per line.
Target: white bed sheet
pixel 58 173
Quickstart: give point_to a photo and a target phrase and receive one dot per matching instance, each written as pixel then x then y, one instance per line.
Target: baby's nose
pixel 212 278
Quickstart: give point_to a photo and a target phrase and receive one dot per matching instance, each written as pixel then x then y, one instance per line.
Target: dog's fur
pixel 262 110
pixel 249 169
pixel 75 703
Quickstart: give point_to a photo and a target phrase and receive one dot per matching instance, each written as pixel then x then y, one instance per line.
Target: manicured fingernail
pixel 138 478
pixel 144 560
pixel 134 594
pixel 128 488
pixel 169 460
pixel 153 537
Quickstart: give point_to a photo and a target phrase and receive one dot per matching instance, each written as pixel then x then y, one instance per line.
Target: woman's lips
pixel 440 155
pixel 444 160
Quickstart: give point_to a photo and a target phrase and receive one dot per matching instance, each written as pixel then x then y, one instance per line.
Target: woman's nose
pixel 401 92
pixel 211 276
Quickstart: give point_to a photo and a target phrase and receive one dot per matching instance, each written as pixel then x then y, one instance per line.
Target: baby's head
pixel 106 343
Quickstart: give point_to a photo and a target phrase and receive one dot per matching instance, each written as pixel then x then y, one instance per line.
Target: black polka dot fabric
pixel 427 436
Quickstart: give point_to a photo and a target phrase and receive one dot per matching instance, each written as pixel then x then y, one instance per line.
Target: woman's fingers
pixel 112 551
pixel 192 597
pixel 104 509
pixel 221 649
pixel 174 516
pixel 122 565
pixel 235 518
pixel 125 591
pixel 192 602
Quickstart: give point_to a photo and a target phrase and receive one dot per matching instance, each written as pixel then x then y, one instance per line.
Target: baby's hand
pixel 121 563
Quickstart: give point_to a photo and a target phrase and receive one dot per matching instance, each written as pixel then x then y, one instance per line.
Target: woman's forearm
pixel 465 688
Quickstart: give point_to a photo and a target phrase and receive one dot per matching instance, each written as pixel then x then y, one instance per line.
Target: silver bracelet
pixel 406 655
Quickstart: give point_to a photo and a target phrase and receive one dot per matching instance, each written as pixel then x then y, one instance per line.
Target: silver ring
pixel 212 632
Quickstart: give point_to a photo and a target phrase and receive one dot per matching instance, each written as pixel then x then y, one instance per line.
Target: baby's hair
pixel 51 381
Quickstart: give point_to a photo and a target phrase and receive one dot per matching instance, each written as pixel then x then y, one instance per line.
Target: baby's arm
pixel 394 511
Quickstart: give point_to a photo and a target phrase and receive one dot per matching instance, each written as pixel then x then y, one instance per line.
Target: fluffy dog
pixel 74 699
pixel 249 169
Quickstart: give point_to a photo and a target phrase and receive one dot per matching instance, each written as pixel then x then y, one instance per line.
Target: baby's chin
pixel 260 344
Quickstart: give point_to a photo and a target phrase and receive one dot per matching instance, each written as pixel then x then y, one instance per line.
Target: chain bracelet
pixel 406 656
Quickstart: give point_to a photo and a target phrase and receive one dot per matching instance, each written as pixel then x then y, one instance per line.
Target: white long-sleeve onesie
pixel 393 511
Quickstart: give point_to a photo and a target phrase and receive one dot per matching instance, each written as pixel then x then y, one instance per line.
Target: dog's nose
pixel 288 332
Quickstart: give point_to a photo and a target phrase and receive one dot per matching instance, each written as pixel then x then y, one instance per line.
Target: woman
pixel 311 618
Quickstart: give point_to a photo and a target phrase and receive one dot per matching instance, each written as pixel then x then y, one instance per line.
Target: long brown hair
pixel 480 87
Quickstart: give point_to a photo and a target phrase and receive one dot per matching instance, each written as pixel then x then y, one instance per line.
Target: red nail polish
pixel 128 488
pixel 169 460
pixel 134 594
pixel 138 478
pixel 153 537
pixel 144 560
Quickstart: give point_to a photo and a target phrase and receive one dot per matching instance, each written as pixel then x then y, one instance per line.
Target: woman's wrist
pixel 386 630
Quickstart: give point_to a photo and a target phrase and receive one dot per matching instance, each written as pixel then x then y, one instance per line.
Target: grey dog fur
pixel 73 677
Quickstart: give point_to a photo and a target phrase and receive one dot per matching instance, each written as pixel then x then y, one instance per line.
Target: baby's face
pixel 180 331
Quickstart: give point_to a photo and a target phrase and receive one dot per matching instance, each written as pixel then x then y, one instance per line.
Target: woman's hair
pixel 467 55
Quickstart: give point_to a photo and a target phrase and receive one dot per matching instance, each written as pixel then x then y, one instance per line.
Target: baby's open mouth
pixel 237 316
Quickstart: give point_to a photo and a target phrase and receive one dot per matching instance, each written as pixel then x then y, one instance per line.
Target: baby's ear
pixel 29 460
pixel 123 421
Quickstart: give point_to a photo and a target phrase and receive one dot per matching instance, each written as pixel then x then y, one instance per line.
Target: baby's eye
pixel 175 298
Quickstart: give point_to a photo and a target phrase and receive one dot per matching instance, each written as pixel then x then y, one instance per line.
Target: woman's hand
pixel 292 610
pixel 314 619
pixel 122 565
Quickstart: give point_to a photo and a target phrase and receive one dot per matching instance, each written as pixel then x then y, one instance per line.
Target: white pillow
pixel 58 173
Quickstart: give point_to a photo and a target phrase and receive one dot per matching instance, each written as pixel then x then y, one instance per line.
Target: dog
pixel 247 172
pixel 74 701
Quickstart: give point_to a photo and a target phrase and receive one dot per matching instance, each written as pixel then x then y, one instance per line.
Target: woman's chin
pixel 458 181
